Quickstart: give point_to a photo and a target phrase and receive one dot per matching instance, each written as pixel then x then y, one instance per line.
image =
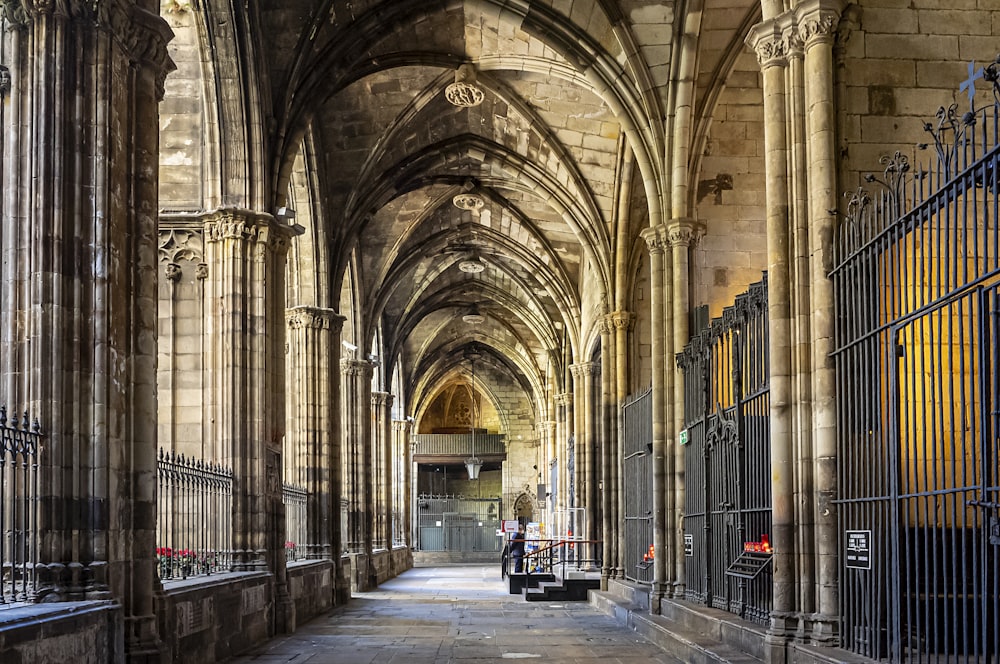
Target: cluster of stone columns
pixel 78 277
pixel 795 49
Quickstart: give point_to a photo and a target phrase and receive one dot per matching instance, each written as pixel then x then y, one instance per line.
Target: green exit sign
pixel 683 437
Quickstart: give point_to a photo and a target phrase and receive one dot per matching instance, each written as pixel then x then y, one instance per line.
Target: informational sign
pixel 688 545
pixel 510 526
pixel 858 544
pixel 683 437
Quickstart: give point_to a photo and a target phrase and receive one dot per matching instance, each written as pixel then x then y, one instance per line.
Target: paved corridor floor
pixel 459 614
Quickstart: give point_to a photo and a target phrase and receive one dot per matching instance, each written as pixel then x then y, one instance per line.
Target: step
pixel 681 641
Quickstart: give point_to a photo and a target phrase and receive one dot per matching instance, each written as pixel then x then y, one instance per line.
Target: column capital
pixel 351 367
pixel 585 369
pixel 656 238
pixel 817 21
pixel 257 228
pixel 621 320
pixel 382 399
pixel 316 318
pixel 564 399
pixel 684 232
pixel 769 40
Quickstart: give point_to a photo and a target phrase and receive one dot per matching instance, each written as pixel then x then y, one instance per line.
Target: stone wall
pixel 77 632
pixel 310 585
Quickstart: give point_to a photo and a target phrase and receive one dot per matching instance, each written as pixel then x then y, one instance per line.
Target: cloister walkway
pixel 460 614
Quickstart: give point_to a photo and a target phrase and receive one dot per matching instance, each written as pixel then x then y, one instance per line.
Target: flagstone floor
pixel 461 615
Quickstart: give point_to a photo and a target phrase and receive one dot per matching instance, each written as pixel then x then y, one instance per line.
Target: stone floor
pixel 459 614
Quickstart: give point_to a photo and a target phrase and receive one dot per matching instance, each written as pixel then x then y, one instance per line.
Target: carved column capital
pixel 621 320
pixel 656 239
pixel 817 21
pixel 564 399
pixel 351 367
pixel 684 232
pixel 314 318
pixel 769 41
pixel 382 399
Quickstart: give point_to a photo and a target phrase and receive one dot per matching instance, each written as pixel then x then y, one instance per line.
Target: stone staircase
pixel 570 586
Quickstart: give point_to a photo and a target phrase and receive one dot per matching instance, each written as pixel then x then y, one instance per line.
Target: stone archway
pixel 524 508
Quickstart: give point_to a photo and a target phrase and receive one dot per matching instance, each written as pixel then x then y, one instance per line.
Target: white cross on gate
pixel 970 83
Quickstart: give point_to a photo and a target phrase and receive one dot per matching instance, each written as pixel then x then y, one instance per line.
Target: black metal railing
pixel 296 501
pixel 637 428
pixel 194 507
pixel 916 283
pixel 727 503
pixel 20 446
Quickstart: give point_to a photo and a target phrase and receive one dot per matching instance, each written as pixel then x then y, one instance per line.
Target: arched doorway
pixel 524 509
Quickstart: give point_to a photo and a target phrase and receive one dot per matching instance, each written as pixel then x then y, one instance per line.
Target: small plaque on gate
pixel 683 437
pixel 688 545
pixel 858 549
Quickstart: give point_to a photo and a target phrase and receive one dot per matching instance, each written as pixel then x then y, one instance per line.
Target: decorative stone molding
pixel 201 271
pixel 172 271
pixel 564 399
pixel 468 201
pixel 4 81
pixel 314 318
pixel 179 244
pixel 465 92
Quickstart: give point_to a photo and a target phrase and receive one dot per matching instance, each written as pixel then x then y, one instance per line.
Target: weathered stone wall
pixel 732 254
pixel 310 585
pixel 78 632
pixel 900 65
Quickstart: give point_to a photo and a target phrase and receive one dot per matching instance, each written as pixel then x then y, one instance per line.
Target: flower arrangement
pixel 172 563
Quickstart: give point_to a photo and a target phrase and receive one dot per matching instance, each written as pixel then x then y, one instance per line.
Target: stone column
pixel 565 435
pixel 313 436
pixel 664 516
pixel 681 234
pixel 357 453
pixel 382 467
pixel 768 41
pixel 79 288
pixel 605 455
pixel 245 253
pixel 400 506
pixel 382 445
pixel 817 24
pixel 580 428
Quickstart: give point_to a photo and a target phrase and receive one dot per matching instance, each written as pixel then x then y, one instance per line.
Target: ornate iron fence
pixel 637 428
pixel 20 448
pixel 917 349
pixel 727 505
pixel 296 503
pixel 195 514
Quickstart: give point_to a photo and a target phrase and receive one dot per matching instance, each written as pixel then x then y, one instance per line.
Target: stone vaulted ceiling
pixel 572 90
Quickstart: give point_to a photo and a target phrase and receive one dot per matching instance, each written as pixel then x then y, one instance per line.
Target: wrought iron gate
pixel 637 427
pixel 917 351
pixel 727 505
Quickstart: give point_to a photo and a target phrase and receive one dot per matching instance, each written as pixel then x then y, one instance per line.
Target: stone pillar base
pixel 825 631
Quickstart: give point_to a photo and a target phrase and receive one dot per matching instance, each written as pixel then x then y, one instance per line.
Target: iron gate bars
pixel 637 425
pixel 916 354
pixel 20 446
pixel 194 505
pixel 727 505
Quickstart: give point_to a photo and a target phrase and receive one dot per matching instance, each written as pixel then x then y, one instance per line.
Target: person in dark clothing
pixel 517 552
